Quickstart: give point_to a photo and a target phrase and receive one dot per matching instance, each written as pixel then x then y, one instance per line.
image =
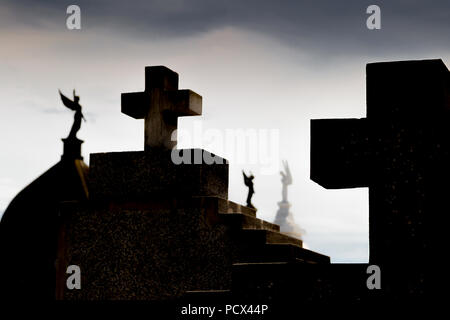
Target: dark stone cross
pixel 160 105
pixel 401 151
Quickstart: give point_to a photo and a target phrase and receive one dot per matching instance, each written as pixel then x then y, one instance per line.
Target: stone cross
pixel 401 151
pixel 160 104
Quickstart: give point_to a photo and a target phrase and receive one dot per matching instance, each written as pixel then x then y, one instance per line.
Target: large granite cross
pixel 401 151
pixel 160 105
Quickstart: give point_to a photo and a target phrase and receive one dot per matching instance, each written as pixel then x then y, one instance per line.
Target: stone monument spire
pixel 284 217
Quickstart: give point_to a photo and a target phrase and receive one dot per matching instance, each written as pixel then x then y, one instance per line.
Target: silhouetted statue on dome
pixel 73 105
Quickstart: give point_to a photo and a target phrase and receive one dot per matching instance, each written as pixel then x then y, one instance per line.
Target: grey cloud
pixel 330 27
pixel 53 111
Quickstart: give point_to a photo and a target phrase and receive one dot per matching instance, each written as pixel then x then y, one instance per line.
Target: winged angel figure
pixel 248 180
pixel 286 179
pixel 75 106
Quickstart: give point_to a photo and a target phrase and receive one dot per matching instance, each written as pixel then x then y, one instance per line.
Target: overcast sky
pixel 262 65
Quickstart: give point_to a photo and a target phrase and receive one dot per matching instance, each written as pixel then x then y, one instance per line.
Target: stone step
pixel 275 281
pixel 255 236
pixel 227 206
pixel 200 292
pixel 221 205
pixel 335 283
pixel 206 297
pixel 244 221
pixel 279 253
pixel 258 272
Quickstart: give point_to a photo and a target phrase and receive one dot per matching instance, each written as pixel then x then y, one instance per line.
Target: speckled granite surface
pixel 139 174
pixel 153 230
pixel 150 251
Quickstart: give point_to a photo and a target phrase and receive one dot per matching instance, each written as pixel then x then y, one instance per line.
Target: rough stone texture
pixel 161 104
pixel 137 175
pixel 401 151
pixel 154 230
pixel 161 248
pixel 152 250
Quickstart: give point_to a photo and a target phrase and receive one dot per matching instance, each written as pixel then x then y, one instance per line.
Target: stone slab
pixel 140 174
pixel 257 236
pixel 143 251
pixel 243 221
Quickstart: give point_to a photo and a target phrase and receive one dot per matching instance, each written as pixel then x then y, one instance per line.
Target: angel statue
pixel 286 179
pixel 75 106
pixel 249 183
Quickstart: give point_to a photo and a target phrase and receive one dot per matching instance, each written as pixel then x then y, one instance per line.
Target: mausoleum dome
pixel 29 226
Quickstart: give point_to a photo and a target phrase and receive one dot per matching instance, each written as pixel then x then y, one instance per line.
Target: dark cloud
pixel 336 27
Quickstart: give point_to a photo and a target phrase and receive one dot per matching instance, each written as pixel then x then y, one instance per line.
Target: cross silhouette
pixel 401 151
pixel 160 104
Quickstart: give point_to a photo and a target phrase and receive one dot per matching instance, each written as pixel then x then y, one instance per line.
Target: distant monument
pixel 165 230
pixel 248 180
pixel 284 217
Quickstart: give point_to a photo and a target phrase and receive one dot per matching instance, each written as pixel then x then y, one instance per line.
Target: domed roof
pixel 29 226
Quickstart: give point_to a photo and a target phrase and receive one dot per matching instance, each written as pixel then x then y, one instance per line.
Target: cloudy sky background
pixel 258 64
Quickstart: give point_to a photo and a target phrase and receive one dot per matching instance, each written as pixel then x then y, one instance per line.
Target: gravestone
pixel 136 175
pixel 160 105
pixel 155 229
pixel 401 151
